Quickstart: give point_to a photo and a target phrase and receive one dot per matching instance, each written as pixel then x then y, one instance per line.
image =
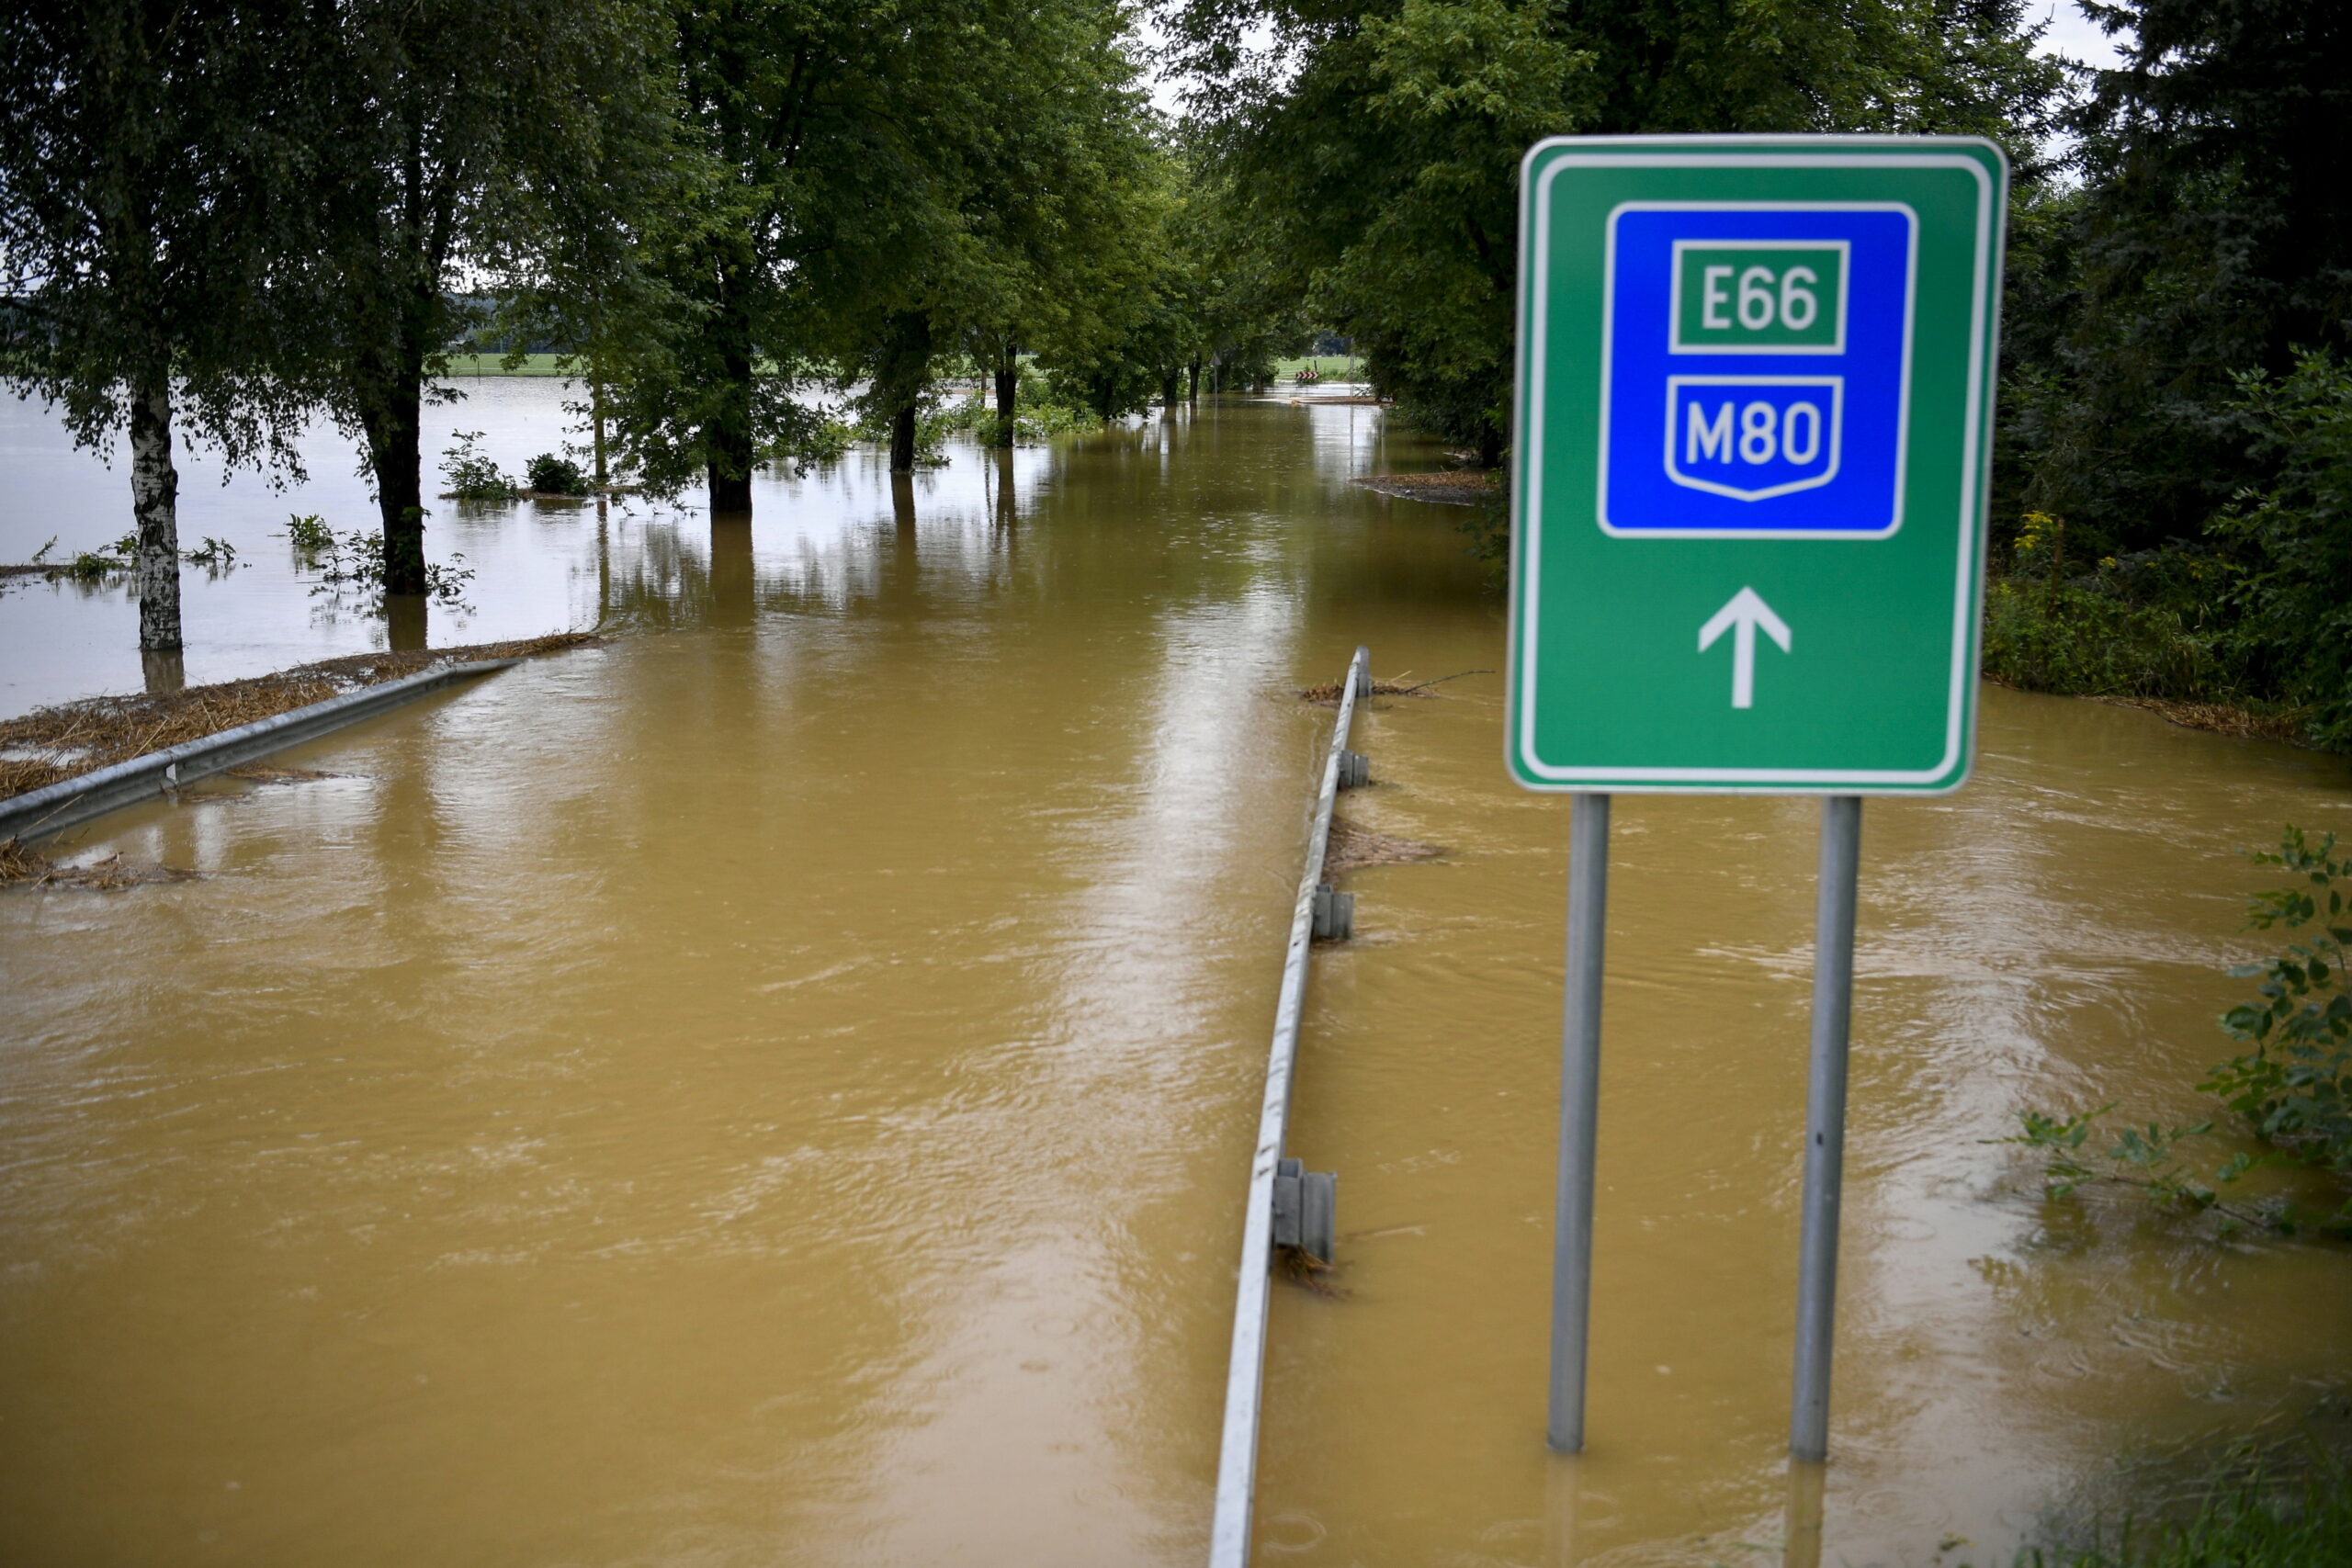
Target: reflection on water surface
pixel 776 1088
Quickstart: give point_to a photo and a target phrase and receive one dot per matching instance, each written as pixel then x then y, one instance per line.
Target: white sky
pixel 2076 36
pixel 2071 34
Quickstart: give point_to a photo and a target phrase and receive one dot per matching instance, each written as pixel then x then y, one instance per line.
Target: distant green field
pixel 472 364
pixel 1334 367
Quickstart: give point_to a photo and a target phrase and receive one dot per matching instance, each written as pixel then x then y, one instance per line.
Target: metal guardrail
pixel 69 803
pixel 1236 1469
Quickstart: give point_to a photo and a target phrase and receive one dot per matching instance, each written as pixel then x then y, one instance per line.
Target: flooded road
pixel 777 1089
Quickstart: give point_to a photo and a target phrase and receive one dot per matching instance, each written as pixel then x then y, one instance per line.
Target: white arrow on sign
pixel 1741 616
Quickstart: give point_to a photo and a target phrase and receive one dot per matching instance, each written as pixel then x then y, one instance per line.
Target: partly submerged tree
pixel 1068 199
pixel 898 182
pixel 147 212
pixel 811 114
pixel 456 140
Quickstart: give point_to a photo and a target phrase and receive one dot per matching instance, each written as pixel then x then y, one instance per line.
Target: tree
pixel 2211 236
pixel 147 215
pixel 1380 146
pixel 455 139
pixel 1068 205
pixel 812 115
pixel 900 181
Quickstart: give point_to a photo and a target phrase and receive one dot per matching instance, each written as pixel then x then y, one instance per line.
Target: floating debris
pixel 1352 847
pixel 1328 695
pixel 262 772
pixel 1303 1268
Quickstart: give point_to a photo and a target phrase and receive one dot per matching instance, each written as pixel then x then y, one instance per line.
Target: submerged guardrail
pixel 69 803
pixel 1318 911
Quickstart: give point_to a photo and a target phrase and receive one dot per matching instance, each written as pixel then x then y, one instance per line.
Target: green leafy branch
pixel 2147 1157
pixel 2292 1090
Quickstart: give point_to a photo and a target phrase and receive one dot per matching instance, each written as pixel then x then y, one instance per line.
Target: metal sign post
pixel 1825 1124
pixel 1579 1118
pixel 1755 392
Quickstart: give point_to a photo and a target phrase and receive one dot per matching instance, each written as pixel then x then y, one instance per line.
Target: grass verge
pixel 2252 1521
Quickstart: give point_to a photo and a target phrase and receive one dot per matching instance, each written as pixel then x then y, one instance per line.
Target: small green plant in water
pixel 309 535
pixel 355 561
pixel 218 554
pixel 2292 1090
pixel 552 474
pixel 96 566
pixel 472 476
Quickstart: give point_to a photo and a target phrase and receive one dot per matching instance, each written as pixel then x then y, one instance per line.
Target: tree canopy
pixel 150 205
pixel 1378 145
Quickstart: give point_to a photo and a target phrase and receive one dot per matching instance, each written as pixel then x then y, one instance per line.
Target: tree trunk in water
pixel 597 415
pixel 394 396
pixel 1008 397
pixel 1193 389
pixel 902 440
pixel 901 372
pixel 395 453
pixel 154 503
pixel 1490 447
pixel 406 620
pixel 730 452
pixel 1167 379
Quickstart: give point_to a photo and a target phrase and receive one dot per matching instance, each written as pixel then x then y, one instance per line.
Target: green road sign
pixel 1755 391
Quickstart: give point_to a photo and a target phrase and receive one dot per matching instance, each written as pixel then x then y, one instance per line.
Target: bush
pixel 818 437
pixel 473 477
pixel 2090 640
pixel 2292 543
pixel 551 475
pixel 2293 1089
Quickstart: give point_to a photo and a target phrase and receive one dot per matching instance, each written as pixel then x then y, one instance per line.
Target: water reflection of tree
pixel 662 584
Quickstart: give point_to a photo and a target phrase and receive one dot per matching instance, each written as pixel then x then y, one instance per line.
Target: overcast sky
pixel 2071 34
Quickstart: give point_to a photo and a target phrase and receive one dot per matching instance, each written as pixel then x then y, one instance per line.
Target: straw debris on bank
pixel 2220 718
pixel 51 744
pixel 21 866
pixel 1453 487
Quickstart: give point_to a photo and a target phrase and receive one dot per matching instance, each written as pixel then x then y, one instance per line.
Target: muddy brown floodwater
pixel 777 1089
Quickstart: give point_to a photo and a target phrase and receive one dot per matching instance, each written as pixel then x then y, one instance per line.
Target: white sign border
pixel 1688 153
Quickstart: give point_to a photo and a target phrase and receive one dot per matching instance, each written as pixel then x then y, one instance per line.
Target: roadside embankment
pixel 53 744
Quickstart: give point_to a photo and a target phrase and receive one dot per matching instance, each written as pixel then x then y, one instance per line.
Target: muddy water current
pixel 776 1088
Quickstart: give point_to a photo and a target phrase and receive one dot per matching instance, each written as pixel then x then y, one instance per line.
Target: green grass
pixel 2248 1523
pixel 1335 368
pixel 472 364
